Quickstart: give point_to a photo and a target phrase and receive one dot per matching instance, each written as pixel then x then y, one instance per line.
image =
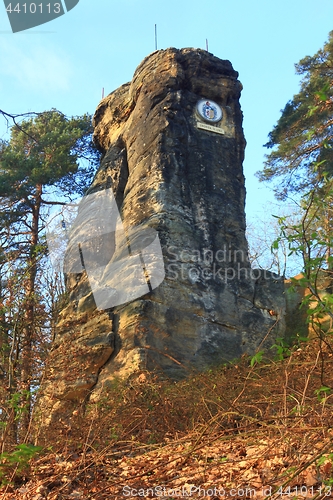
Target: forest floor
pixel 263 431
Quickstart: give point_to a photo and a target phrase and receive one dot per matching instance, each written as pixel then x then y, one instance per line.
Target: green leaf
pixel 257 358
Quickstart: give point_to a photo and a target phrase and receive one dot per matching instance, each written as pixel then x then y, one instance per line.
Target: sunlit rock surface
pixel 186 183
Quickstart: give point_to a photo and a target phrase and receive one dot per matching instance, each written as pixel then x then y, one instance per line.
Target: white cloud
pixel 34 67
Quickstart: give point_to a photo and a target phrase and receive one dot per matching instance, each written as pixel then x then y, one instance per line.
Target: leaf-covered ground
pixel 240 432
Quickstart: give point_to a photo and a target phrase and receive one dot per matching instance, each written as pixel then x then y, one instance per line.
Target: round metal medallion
pixel 209 111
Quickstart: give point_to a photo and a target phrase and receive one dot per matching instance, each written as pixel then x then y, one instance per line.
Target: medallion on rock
pixel 209 111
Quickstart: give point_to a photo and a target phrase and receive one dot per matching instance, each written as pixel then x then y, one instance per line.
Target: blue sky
pixel 65 64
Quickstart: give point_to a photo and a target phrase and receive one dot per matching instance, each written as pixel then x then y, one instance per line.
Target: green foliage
pixel 322 393
pixel 16 461
pixel 324 458
pixel 257 358
pixel 282 348
pixel 302 162
pixel 46 150
pixel 15 402
pixel 302 140
pixel 311 239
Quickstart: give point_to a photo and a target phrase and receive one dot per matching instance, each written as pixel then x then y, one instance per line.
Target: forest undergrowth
pixel 247 430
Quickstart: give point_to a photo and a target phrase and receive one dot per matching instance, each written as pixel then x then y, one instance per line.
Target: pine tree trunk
pixel 29 322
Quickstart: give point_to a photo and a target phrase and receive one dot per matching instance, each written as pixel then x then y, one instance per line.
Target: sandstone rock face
pixel 171 172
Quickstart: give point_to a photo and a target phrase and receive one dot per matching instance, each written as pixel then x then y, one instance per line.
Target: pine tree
pixel 42 164
pixel 301 163
pixel 302 140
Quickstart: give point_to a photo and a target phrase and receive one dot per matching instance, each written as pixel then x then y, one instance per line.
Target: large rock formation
pixel 173 171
